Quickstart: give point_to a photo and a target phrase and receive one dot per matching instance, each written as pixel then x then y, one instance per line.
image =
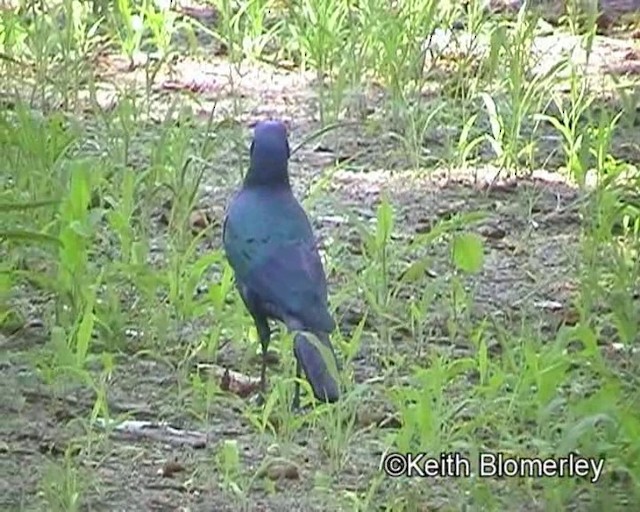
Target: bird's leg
pixel 296 393
pixel 264 333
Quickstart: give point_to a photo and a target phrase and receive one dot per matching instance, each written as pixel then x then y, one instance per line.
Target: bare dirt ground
pixel 531 234
pixel 527 254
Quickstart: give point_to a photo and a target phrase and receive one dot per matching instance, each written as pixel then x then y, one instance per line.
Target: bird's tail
pixel 318 360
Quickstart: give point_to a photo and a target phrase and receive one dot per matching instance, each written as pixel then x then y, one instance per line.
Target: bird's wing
pixel 292 283
pixel 241 243
pixel 269 243
pixel 257 221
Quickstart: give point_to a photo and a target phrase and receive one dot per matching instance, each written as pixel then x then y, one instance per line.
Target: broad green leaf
pixel 415 271
pixel 468 252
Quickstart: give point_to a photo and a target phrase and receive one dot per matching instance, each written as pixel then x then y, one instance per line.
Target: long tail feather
pixel 319 363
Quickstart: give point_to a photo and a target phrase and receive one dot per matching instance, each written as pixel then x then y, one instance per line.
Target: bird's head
pixel 269 155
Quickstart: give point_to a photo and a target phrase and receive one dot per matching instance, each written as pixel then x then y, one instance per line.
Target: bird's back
pixel 270 244
pixel 258 221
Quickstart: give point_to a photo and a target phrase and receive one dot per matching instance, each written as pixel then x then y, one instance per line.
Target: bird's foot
pixel 262 394
pixel 260 400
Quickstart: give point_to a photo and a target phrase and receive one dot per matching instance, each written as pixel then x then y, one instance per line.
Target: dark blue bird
pixel 270 245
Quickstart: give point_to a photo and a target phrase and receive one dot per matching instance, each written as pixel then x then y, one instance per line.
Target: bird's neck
pixel 277 178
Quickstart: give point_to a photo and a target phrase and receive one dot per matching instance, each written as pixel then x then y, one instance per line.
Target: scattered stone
pixel 280 468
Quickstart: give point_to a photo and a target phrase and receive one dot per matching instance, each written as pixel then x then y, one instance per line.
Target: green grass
pixel 453 339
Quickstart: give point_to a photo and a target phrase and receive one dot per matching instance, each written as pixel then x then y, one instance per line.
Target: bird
pixel 269 243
